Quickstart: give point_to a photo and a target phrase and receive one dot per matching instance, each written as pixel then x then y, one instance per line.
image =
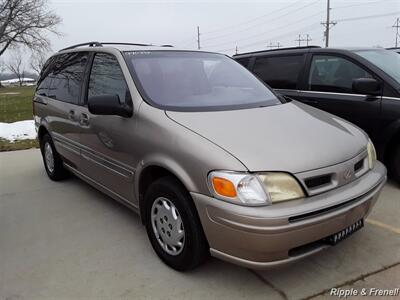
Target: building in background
pixel 15 81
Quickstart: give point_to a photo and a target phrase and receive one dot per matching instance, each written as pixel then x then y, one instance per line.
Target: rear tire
pixel 173 226
pixel 52 161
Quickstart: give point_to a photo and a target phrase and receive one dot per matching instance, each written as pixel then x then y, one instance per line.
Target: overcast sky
pixel 249 25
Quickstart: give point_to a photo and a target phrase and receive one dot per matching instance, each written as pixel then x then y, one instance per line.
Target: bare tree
pixel 37 61
pixel 17 67
pixel 26 23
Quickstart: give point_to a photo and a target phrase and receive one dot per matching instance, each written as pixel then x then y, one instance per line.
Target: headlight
pixel 254 189
pixel 371 154
pixel 281 186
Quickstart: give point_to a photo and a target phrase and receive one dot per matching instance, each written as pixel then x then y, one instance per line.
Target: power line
pixel 313 25
pixel 305 28
pixel 235 30
pixel 369 17
pixel 294 22
pixel 232 27
pixel 361 4
pixel 252 20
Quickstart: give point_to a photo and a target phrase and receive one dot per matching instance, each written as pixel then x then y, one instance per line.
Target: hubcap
pixel 167 226
pixel 49 157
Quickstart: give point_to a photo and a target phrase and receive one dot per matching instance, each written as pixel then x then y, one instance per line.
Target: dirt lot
pixel 68 241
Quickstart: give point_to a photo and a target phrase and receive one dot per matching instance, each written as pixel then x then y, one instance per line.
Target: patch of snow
pixel 16 80
pixel 10 93
pixel 20 130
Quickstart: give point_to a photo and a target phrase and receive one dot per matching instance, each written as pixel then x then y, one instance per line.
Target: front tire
pixel 173 226
pixel 52 161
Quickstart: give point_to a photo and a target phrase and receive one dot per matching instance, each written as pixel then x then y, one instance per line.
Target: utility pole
pixel 272 46
pixel 236 50
pixel 328 23
pixel 300 39
pixel 397 26
pixel 308 39
pixel 198 37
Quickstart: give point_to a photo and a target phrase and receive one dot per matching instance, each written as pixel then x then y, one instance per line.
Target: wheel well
pixel 148 176
pixel 42 131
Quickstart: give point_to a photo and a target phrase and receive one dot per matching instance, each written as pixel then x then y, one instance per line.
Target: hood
pixel 291 137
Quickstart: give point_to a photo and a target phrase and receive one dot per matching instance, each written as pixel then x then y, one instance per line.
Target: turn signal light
pixel 224 187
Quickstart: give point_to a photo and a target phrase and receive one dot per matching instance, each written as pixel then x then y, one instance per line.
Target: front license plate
pixel 341 235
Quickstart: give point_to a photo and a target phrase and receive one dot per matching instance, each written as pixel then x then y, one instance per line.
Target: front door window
pixel 334 74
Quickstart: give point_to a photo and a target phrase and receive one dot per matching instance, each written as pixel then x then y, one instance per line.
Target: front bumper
pixel 261 237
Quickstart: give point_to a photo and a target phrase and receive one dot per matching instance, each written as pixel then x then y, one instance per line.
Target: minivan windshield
pixel 387 61
pixel 196 81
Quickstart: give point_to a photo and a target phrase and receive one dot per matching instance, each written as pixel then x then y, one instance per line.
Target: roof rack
pixel 90 44
pixel 128 44
pixel 278 49
pixel 100 44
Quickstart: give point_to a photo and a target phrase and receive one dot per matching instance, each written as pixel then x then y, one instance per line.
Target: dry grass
pixel 16 105
pixel 17 145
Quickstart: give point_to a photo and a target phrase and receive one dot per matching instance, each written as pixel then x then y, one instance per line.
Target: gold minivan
pixel 210 157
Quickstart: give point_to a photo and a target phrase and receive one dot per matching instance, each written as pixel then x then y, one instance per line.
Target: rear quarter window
pixel 279 72
pixel 45 79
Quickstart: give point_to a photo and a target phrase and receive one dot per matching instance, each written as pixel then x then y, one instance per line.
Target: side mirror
pixel 108 105
pixel 367 86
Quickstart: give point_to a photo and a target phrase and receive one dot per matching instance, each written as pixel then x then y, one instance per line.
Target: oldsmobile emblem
pixel 347 174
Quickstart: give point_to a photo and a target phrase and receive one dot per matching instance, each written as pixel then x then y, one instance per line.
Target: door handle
pixel 84 121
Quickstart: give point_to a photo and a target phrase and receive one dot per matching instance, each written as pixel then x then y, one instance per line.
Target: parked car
pixel 359 85
pixel 211 159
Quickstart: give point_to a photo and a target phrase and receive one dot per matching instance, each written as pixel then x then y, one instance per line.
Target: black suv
pixel 360 85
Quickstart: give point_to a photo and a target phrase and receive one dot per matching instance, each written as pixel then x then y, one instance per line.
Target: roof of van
pixel 123 46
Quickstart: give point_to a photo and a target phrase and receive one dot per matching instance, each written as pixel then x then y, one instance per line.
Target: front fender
pixel 168 163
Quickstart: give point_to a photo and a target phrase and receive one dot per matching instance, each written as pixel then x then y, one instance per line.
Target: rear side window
pixel 45 79
pixel 243 61
pixel 334 74
pixel 67 76
pixel 279 72
pixel 106 78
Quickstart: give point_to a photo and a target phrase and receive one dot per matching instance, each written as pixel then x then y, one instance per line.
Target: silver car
pixel 212 160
